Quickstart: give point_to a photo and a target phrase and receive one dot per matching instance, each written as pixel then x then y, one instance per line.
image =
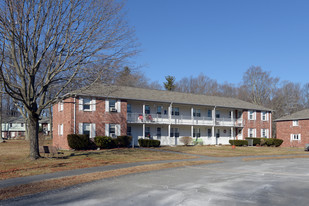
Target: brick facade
pixel 286 128
pixel 99 117
pixel 257 124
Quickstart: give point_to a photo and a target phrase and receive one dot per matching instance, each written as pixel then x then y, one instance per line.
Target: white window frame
pixel 253 115
pixel 295 123
pixel 60 106
pixel 85 102
pixel 295 137
pixel 264 114
pixel 264 131
pixel 60 129
pixel 252 131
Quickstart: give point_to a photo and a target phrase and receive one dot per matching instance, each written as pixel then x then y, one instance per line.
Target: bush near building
pixel 239 143
pixel 148 143
pixel 186 140
pixel 79 141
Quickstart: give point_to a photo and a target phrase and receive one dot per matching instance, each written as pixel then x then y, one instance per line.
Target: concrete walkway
pixel 35 178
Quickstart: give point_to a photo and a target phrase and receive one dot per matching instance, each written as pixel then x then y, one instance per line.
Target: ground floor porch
pixel 171 134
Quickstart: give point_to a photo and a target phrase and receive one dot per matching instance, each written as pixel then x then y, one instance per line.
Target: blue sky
pixel 221 38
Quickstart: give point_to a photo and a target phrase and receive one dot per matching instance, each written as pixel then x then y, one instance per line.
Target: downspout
pixel 74 114
pixel 270 126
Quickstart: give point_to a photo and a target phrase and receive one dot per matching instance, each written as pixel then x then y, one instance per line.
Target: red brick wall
pixel 99 117
pixel 286 128
pixel 257 124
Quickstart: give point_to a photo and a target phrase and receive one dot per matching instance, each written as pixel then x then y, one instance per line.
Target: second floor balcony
pixel 181 120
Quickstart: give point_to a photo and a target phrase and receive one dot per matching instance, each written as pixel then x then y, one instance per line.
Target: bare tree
pixel 305 95
pixel 51 43
pixel 260 85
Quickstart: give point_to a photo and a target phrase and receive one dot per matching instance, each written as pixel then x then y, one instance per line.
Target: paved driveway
pixel 270 182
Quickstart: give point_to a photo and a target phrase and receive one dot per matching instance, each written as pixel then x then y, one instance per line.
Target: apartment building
pixel 293 129
pixel 163 115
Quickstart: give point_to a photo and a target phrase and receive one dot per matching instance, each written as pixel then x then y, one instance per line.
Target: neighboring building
pixel 293 129
pixel 13 127
pixel 163 115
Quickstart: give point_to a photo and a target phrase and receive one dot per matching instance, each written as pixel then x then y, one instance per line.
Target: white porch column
pixel 170 112
pixel 143 131
pixel 169 131
pixel 214 116
pixel 232 133
pixel 213 134
pixel 192 131
pixel 232 116
pixel 270 126
pixel 144 114
pixel 192 117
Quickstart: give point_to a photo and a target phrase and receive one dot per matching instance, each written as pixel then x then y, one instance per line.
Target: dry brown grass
pixel 227 151
pixel 280 157
pixel 14 161
pixel 52 184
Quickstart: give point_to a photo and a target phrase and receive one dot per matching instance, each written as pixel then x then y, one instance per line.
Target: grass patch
pixel 280 157
pixel 228 151
pixel 14 161
pixel 36 187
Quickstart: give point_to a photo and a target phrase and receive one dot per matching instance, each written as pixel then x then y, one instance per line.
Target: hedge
pixel 104 142
pixel 239 142
pixel 256 141
pixel 79 141
pixel 270 142
pixel 148 143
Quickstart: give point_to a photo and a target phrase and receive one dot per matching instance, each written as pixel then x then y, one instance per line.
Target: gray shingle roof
pixel 304 114
pixel 133 93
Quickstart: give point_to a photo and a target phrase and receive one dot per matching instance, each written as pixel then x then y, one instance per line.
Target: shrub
pixel 239 142
pixel 78 141
pixel 186 140
pixel 256 141
pixel 148 143
pixel 124 141
pixel 278 142
pixel 104 142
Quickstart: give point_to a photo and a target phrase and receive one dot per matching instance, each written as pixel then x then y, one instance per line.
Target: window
pixel 230 114
pixel 218 133
pixel 251 115
pixel 112 130
pixel 196 132
pixel 86 104
pixel 174 132
pixel 11 125
pixel 264 133
pixel 196 112
pixel 159 110
pixel 295 137
pixel 295 123
pixel 86 129
pixel 22 124
pixel 129 131
pixel 239 114
pixel 60 129
pixel 60 106
pixel 147 109
pixel 175 111
pixel 251 132
pixel 264 116
pixel 209 113
pixel 147 132
pixel 217 114
pixel 209 132
pixel 112 105
pixel 129 108
pixel 159 132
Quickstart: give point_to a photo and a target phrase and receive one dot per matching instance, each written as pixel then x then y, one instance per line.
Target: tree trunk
pixel 33 135
pixel 1 88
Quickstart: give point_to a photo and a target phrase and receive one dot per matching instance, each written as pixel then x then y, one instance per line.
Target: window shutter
pixel 106 129
pixel 106 105
pixel 261 133
pixel 61 129
pixel 248 133
pixel 58 129
pixel 81 102
pixel 92 135
pixel 254 132
pixel 80 128
pixel 118 133
pixel 291 137
pixel 254 115
pixel 93 104
pixel 59 107
pixel 119 106
pixel 299 137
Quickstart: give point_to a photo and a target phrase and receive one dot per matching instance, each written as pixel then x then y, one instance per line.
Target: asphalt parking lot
pixel 269 182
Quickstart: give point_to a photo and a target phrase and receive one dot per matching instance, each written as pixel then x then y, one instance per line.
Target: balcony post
pixel 232 117
pixel 143 131
pixel 192 131
pixel 213 133
pixel 170 112
pixel 192 117
pixel 214 116
pixel 144 114
pixel 232 133
pixel 169 130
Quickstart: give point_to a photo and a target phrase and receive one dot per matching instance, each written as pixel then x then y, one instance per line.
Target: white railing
pixel 182 120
